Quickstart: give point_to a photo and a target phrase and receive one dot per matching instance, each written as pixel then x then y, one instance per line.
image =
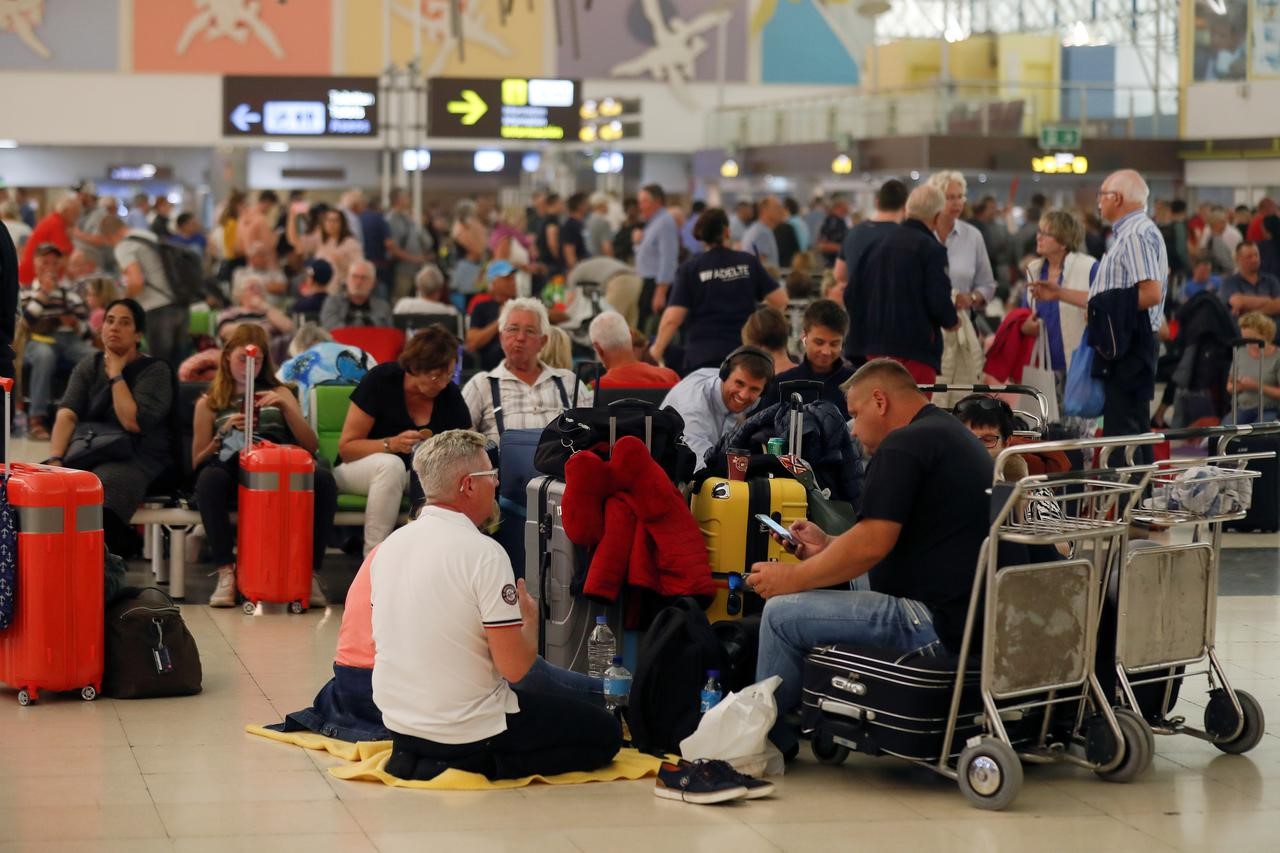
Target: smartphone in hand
pixel 776 528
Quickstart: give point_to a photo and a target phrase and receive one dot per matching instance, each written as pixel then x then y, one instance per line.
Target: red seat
pixel 384 344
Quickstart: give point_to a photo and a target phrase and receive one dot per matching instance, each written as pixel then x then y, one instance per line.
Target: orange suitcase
pixel 55 640
pixel 277 513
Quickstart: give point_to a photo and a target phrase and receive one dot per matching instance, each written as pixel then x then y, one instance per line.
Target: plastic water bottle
pixel 617 685
pixel 601 647
pixel 710 691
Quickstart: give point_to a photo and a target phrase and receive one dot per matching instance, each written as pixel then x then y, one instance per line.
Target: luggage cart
pixel 1036 423
pixel 1040 699
pixel 1167 599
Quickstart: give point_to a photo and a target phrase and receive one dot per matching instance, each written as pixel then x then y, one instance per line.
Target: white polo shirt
pixel 437 584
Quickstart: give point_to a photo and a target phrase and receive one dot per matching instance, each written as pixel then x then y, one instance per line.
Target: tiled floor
pixel 181 774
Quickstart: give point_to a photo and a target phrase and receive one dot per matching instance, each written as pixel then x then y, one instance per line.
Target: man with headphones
pixel 713 401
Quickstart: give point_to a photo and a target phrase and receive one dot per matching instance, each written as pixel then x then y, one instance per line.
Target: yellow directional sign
pixel 472 107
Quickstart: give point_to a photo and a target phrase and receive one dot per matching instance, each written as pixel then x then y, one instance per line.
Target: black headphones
pixel 726 366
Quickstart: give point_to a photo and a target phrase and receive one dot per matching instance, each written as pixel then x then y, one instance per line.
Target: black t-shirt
pixel 554 261
pixel 832 230
pixel 380 395
pixel 721 288
pixel 931 476
pixel 490 354
pixel 571 235
pixel 856 245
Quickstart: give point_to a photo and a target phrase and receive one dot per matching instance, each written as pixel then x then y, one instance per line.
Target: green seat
pixel 352 503
pixel 329 404
pixel 201 319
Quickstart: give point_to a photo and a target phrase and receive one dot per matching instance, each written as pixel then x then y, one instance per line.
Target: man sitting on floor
pixel 456 671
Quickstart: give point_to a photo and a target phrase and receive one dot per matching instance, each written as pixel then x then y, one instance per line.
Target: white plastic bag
pixel 737 729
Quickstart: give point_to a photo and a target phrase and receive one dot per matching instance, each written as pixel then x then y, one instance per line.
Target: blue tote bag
pixel 1083 395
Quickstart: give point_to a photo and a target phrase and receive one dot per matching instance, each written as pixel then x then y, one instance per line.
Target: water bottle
pixel 710 691
pixel 601 647
pixel 617 685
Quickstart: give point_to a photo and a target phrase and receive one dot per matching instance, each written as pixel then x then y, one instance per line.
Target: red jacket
pixel 1011 350
pixel 639 524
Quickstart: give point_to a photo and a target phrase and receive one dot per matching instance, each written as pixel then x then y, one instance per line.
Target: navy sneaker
pixel 756 788
pixel 697 782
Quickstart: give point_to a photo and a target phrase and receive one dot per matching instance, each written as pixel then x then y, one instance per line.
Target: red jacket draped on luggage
pixel 641 527
pixel 1011 350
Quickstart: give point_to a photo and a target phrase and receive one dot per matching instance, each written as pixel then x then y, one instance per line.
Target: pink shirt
pixel 355 635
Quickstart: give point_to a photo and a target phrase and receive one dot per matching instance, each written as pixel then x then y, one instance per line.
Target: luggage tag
pixel 160 654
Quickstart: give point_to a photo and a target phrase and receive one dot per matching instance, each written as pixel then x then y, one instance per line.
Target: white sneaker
pixel 317 594
pixel 224 595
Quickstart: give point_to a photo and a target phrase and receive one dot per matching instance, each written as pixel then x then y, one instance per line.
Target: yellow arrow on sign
pixel 471 107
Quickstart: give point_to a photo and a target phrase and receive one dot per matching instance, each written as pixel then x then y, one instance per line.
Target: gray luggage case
pixel 551 563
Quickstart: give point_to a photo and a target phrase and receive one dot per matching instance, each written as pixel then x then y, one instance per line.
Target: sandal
pixel 36 431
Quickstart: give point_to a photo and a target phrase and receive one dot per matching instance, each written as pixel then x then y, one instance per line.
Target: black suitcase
pixel 886 703
pixel 1264 513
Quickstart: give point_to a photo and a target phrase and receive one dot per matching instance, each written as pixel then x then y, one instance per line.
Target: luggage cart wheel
pixel 1252 730
pixel 24 698
pixel 250 608
pixel 88 693
pixel 827 751
pixel 990 774
pixel 1139 747
pixel 295 607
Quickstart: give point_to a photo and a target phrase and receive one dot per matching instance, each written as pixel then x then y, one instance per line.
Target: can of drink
pixel 777 446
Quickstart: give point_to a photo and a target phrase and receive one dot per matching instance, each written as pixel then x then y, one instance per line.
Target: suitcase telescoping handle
pixel 1237 344
pixel 251 356
pixel 7 384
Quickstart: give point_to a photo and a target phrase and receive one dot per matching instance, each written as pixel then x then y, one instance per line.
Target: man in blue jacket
pixel 906 288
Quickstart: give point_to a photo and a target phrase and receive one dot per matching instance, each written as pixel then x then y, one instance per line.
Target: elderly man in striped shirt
pixel 1137 261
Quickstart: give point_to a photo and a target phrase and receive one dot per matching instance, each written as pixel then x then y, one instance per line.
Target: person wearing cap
pixel 355 304
pixel 54 317
pixel 313 287
pixel 54 228
pixel 482 335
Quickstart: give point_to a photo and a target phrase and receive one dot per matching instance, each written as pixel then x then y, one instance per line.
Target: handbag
pixel 833 516
pixel 1039 374
pixel 96 442
pixel 599 427
pixel 148 650
pixel 1084 395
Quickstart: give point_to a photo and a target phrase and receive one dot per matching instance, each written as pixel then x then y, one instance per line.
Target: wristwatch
pixel 112 380
pixel 386 445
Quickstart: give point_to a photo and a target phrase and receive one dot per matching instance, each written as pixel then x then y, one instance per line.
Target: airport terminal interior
pixel 557 425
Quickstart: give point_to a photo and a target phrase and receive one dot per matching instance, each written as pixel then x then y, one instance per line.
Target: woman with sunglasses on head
pixel 1061 265
pixel 397 405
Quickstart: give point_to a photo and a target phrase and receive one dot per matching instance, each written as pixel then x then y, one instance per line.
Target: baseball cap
pixel 497 269
pixel 49 249
pixel 321 270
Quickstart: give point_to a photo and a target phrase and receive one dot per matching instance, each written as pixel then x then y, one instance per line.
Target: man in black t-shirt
pixel 921 525
pixel 573 241
pixel 547 238
pixel 891 207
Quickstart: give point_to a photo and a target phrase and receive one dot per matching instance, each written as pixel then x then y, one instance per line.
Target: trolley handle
pixel 251 354
pixel 1187 433
pixel 7 384
pixel 1076 444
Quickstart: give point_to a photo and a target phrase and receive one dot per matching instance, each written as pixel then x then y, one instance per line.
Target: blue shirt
pixel 1137 254
pixel 1268 286
pixel 759 241
pixel 968 262
pixel 196 242
pixel 691 244
pixel 1051 319
pixel 802 231
pixel 700 401
pixel 656 255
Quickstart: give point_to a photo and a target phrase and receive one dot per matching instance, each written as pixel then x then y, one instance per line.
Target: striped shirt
pixel 1137 254
pixel 523 406
pixel 44 311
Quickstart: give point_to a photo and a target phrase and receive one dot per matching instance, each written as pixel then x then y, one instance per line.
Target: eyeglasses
pixel 1046 235
pixel 517 331
pixel 492 472
pixel 989 441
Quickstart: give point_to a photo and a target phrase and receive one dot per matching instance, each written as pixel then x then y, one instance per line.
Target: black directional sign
pixel 517 108
pixel 300 106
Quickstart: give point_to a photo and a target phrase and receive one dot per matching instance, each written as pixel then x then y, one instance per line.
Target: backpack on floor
pixel 739 647
pixel 675 654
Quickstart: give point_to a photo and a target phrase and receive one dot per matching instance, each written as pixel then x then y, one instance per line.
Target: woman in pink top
pixel 332 241
pixel 344 707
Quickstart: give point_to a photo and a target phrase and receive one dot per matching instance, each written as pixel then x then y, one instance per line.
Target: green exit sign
pixel 1059 136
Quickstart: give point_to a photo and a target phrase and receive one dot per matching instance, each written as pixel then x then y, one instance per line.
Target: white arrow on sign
pixel 243 116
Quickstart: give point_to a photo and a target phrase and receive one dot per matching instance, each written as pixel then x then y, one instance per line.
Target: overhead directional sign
pixel 300 106
pixel 510 108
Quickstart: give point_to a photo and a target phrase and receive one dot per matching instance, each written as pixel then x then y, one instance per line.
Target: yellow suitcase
pixel 726 513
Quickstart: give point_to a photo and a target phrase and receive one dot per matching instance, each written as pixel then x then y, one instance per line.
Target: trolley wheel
pixel 250 608
pixel 295 607
pixel 827 751
pixel 25 698
pixel 88 693
pixel 1139 747
pixel 990 774
pixel 1251 733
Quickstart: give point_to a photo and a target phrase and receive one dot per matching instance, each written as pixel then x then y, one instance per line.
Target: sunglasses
pixel 981 403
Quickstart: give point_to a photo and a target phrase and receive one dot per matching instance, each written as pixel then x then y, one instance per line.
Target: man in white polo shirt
pixel 456 669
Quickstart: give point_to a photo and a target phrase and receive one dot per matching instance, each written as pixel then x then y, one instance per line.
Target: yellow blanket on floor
pixel 370 760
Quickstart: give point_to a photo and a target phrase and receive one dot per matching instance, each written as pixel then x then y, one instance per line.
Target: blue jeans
pixel 543 677
pixel 68 348
pixel 792 625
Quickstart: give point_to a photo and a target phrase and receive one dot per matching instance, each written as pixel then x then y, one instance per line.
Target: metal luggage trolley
pixel 1035 423
pixel 1168 594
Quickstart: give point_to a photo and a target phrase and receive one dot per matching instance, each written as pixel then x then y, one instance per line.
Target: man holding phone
pixel 922 522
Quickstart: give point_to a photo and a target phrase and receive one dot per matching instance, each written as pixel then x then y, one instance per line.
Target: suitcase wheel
pixel 827 751
pixel 295 607
pixel 25 698
pixel 990 774
pixel 88 693
pixel 250 608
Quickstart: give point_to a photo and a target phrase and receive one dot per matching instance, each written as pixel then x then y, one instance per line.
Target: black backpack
pixel 675 654
pixel 739 647
pixel 183 268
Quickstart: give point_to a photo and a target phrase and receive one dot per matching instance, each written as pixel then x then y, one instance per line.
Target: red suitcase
pixel 277 514
pixel 55 640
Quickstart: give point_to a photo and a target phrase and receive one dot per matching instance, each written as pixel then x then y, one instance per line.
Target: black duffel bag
pixel 148 650
pixel 596 429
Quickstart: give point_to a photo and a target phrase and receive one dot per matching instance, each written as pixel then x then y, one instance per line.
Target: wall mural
pixel 232 36
pixel 62 34
pixel 831 54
